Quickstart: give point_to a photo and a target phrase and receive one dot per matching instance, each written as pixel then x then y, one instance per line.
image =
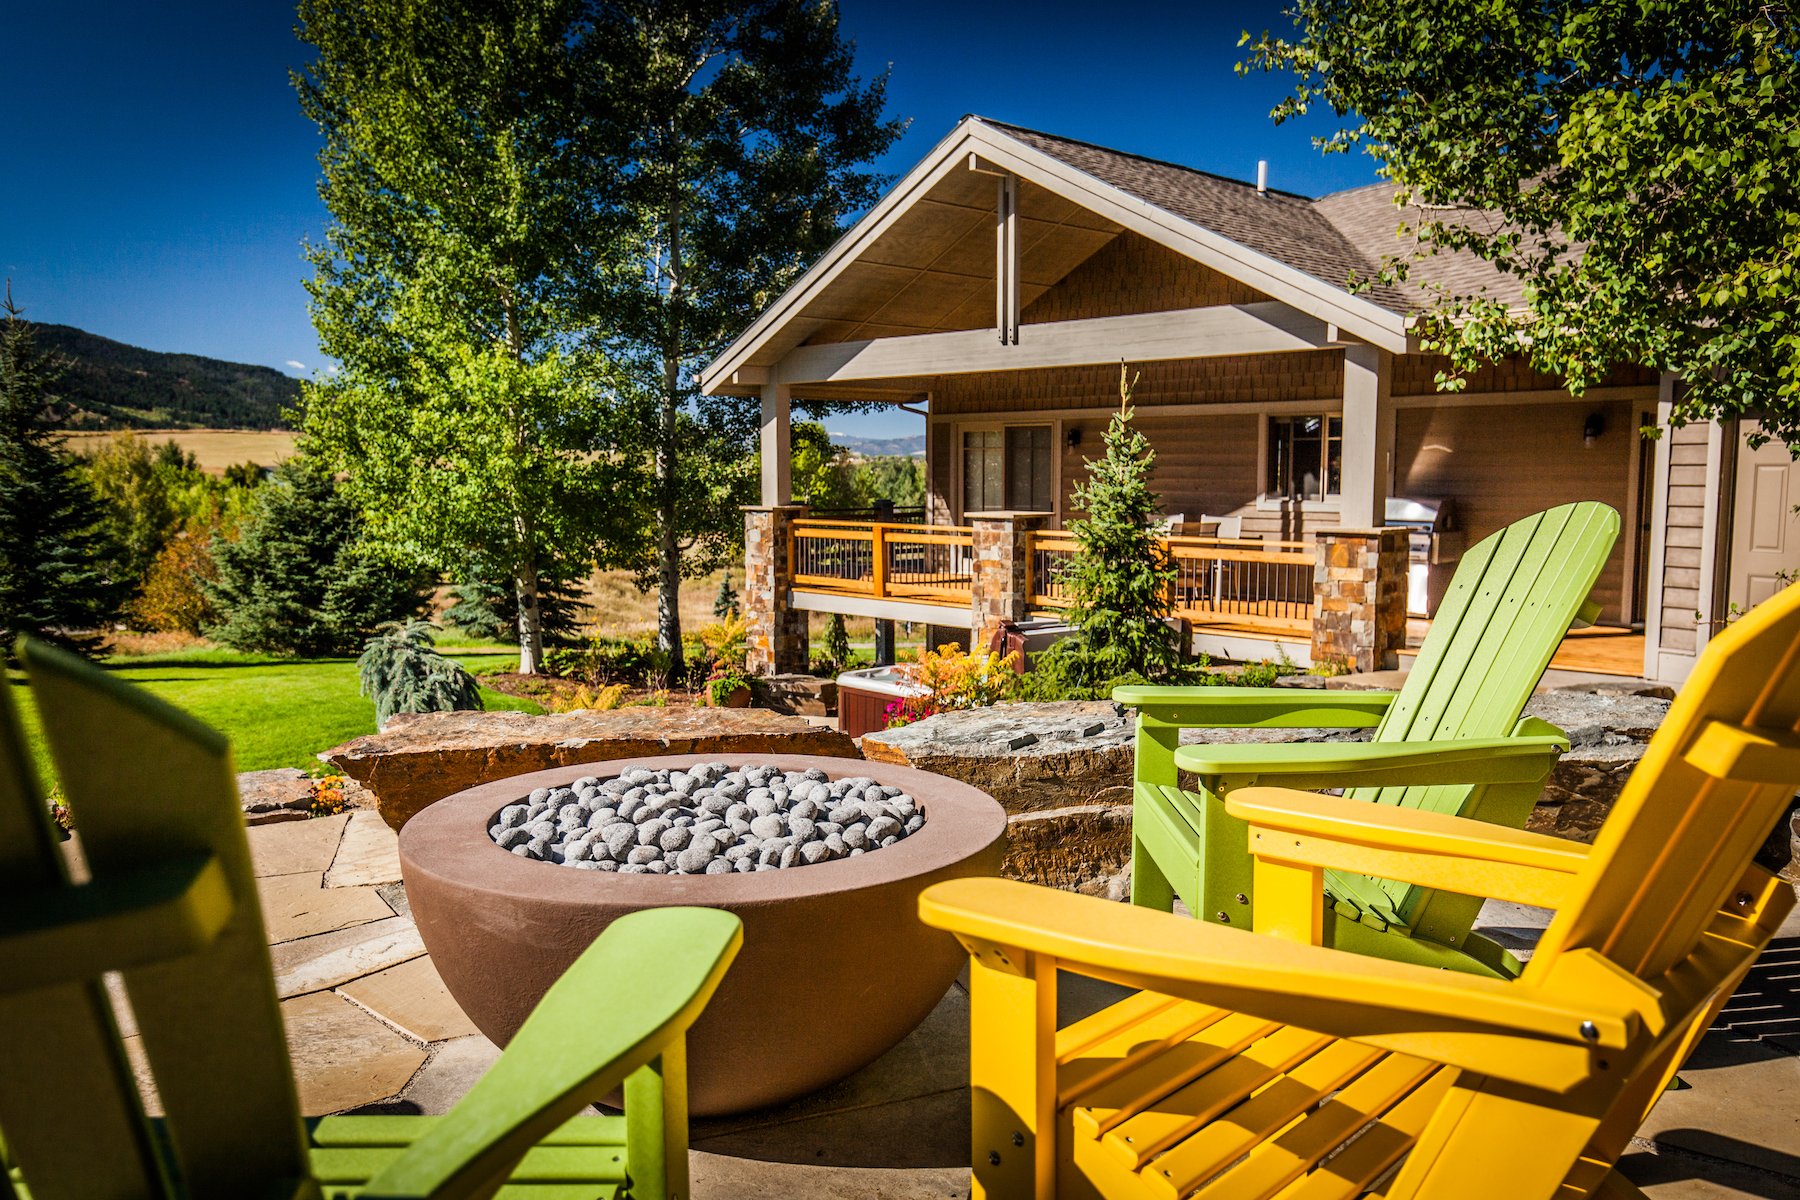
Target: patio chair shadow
pixel 1763 1015
pixel 1716 1159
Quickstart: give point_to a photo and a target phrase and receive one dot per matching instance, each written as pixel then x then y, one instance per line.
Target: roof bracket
pixel 1006 260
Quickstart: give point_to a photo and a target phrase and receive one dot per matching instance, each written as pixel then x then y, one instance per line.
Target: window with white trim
pixel 1306 458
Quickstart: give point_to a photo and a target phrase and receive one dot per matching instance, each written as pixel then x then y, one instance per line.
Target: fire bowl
pixel 836 967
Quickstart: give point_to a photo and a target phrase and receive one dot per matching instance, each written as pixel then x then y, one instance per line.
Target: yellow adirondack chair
pixel 1255 1066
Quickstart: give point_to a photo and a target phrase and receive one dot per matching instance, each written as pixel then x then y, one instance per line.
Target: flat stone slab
pixel 344 1058
pixel 295 906
pixel 412 998
pixel 422 757
pixel 326 960
pixel 293 847
pixel 368 854
pixel 1742 1104
pixel 452 1070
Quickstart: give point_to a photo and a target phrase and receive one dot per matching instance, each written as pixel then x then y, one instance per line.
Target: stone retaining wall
pixel 1063 770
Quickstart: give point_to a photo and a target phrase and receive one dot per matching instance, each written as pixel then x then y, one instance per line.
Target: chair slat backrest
pixel 1513 598
pixel 70 1118
pixel 209 1022
pixel 1677 844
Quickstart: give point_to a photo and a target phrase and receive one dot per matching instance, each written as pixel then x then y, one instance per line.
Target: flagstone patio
pixel 372 1028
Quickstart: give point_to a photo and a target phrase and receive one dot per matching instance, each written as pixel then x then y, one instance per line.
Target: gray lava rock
pixel 711 819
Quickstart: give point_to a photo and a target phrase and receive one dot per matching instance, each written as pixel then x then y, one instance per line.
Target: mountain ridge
pixel 108 384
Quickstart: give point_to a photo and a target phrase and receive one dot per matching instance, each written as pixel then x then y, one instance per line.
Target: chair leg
pixel 1150 888
pixel 656 1125
pixel 1012 1073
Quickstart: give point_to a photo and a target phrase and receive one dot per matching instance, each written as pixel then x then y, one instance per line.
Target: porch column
pixel 777 637
pixel 1368 436
pixel 777 443
pixel 998 572
pixel 1359 598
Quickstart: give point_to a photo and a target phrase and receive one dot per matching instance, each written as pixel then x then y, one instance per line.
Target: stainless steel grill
pixel 1434 544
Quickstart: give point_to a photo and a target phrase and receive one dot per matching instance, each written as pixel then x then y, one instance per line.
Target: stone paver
pixel 295 906
pixel 328 959
pixel 1742 1104
pixel 343 1057
pixel 412 998
pixel 295 847
pixel 368 854
pixel 454 1067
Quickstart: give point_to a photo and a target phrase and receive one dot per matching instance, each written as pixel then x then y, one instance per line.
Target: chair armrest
pixel 630 995
pixel 1253 707
pixel 1472 858
pixel 1532 1034
pixel 1517 759
pixel 120 920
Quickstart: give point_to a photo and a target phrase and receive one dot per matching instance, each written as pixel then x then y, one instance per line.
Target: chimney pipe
pixel 1262 175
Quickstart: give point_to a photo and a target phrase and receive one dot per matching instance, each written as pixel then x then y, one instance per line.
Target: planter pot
pixel 737 697
pixel 836 967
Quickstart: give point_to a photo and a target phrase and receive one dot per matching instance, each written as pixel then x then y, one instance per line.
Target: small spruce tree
pixel 296 579
pixel 837 643
pixel 402 671
pixel 55 581
pixel 725 604
pixel 1120 581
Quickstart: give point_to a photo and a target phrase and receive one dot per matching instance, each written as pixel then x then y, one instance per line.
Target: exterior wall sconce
pixel 1591 429
pixel 1074 438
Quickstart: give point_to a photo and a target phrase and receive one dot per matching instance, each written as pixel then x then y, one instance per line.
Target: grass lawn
pixel 278 712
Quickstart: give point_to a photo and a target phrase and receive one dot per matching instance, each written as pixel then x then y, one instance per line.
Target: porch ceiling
pixel 932 271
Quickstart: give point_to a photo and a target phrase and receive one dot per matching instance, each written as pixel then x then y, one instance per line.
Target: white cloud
pixel 295 365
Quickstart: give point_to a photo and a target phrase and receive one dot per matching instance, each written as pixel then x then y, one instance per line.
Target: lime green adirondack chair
pixel 172 906
pixel 1450 741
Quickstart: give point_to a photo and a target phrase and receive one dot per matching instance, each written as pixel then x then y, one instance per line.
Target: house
pixel 1000 284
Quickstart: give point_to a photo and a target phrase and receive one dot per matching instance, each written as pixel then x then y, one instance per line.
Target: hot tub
pixel 864 696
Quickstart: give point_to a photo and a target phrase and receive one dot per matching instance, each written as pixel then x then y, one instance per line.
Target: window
pixel 1306 457
pixel 1007 468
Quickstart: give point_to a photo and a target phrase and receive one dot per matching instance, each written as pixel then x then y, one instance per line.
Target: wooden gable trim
pixel 1353 315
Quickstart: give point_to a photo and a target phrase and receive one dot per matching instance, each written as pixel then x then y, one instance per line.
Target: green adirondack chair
pixel 171 905
pixel 1450 741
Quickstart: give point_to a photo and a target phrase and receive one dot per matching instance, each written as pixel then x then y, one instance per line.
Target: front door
pixel 1765 529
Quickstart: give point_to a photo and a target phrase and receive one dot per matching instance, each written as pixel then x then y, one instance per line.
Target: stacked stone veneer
pixel 1359 593
pixel 777 637
pixel 999 584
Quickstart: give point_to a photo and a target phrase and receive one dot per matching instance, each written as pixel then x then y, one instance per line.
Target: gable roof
pixel 1300 251
pixel 1289 228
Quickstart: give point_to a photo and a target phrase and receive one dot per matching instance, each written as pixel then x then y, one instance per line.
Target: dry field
pixel 618 609
pixel 215 448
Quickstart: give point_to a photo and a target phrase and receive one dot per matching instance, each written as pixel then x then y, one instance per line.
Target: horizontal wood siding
pixel 940 507
pixel 1416 375
pixel 1682 537
pixel 1499 464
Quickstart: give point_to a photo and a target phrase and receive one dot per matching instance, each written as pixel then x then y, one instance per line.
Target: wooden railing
pixel 1256 585
pixel 926 563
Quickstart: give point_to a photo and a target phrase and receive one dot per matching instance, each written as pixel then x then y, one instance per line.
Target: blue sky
pixel 159 178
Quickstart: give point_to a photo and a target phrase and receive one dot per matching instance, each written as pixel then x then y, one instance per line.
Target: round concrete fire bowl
pixel 835 968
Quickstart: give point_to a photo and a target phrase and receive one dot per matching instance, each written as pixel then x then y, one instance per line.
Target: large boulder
pixel 422 757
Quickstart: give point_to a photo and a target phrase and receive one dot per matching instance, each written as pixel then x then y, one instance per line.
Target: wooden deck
pixel 1597 650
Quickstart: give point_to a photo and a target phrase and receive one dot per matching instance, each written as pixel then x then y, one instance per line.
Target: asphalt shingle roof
pixel 1334 239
